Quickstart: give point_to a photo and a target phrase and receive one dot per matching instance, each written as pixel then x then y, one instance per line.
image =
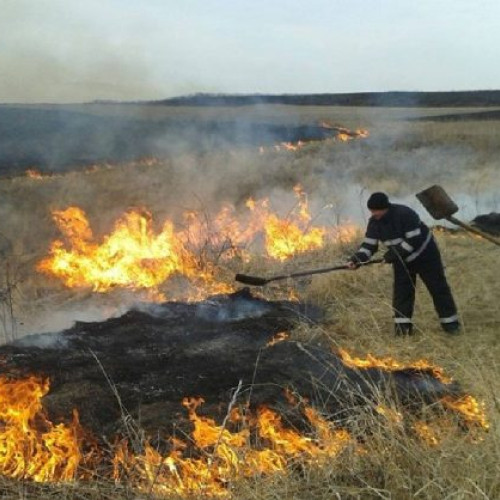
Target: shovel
pixel 441 206
pixel 255 280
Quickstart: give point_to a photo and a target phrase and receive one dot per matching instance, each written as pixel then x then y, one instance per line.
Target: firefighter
pixel 413 252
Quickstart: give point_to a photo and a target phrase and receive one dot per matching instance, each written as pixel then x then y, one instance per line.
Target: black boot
pixel 402 329
pixel 453 327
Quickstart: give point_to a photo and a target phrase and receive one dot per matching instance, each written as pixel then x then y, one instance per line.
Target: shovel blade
pixel 437 202
pixel 250 280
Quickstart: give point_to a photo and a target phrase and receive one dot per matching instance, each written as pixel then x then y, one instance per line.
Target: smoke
pixel 221 164
pixel 204 171
pixel 206 157
pixel 53 51
pixel 58 313
pixel 61 138
pixel 233 308
pixel 210 156
pixel 43 341
pixel 222 308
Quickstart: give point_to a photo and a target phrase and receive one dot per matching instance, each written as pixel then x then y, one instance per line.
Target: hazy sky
pixel 79 50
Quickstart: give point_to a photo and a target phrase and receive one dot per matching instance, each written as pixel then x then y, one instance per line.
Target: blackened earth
pixel 145 362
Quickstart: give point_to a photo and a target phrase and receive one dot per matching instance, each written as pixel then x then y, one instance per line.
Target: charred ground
pixel 146 361
pixel 57 139
pixel 64 137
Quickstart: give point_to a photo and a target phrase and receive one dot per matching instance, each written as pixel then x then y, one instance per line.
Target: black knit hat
pixel 378 201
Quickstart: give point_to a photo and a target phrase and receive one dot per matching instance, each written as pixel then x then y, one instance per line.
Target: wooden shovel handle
pixel 473 229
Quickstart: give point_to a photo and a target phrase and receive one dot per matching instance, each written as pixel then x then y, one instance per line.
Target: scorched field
pixel 135 366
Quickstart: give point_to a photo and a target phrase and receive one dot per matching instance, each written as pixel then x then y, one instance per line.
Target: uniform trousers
pixel 429 267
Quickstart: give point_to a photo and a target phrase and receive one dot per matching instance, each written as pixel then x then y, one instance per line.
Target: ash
pixel 238 306
pixel 156 354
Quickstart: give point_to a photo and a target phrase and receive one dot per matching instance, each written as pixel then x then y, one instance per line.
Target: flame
pixel 469 408
pixel 31 447
pixel 471 414
pixel 135 256
pixel 146 161
pixel 390 364
pixel 343 134
pixel 391 414
pixel 427 433
pixel 34 174
pixel 279 337
pixel 285 238
pixel 227 455
pixel 471 411
pixel 456 233
pixel 245 445
pixel 294 234
pixel 132 256
pixel 289 146
pixel 284 146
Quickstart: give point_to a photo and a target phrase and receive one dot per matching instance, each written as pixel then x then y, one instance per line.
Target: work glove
pixel 391 256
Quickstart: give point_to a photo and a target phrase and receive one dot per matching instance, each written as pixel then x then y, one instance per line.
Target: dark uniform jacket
pixel 401 230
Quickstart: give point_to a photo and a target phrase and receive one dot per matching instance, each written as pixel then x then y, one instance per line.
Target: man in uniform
pixel 413 252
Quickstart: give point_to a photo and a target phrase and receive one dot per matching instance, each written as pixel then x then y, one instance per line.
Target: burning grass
pixel 134 256
pixel 426 457
pixel 385 454
pixel 399 457
pixel 218 460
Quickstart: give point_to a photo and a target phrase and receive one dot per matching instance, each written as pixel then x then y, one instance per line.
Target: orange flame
pixel 279 337
pixel 134 256
pixel 427 433
pixel 227 456
pixel 292 235
pixel 31 447
pixel 391 414
pixel 343 134
pixel 284 146
pixel 390 364
pixel 469 408
pixel 285 238
pixel 34 174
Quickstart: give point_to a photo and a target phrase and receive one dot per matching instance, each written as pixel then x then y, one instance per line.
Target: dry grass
pixel 357 304
pixel 395 464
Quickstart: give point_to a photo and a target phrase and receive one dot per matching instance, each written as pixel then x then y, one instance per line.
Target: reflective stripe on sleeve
pixel 392 242
pixel 415 254
pixel 370 241
pixel 407 246
pixel 366 251
pixel 411 234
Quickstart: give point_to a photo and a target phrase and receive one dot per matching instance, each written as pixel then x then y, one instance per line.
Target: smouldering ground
pixel 400 157
pixel 393 463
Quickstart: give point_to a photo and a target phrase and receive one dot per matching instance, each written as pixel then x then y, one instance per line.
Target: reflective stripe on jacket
pixel 400 229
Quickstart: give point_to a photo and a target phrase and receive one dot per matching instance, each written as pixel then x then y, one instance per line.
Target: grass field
pixel 400 157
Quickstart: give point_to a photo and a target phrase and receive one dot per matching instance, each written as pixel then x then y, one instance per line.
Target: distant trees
pixel 469 98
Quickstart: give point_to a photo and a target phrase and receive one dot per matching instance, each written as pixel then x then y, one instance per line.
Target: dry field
pixel 401 157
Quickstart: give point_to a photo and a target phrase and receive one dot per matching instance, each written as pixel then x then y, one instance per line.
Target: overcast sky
pixel 80 50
